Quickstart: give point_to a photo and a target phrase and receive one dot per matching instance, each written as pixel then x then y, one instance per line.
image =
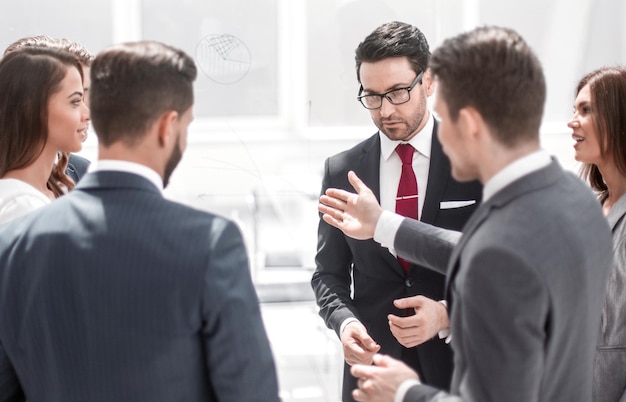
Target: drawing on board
pixel 223 58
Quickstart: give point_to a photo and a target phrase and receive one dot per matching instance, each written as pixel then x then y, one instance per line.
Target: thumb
pixel 400 303
pixel 382 360
pixel 357 183
pixel 366 340
pixel 407 302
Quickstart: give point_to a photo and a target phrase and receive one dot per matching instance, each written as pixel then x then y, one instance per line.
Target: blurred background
pixel 276 95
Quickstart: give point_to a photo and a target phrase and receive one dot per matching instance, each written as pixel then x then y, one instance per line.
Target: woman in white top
pixel 75 166
pixel 17 198
pixel 42 113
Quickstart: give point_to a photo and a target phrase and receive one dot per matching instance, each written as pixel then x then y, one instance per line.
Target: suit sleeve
pixel 425 393
pixel 238 355
pixel 332 277
pixel 425 244
pixel 10 388
pixel 505 310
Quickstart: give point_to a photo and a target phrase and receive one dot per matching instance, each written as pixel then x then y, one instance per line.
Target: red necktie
pixel 407 198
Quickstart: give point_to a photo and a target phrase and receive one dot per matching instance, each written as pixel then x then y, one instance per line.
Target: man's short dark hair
pixel 493 70
pixel 133 84
pixel 394 39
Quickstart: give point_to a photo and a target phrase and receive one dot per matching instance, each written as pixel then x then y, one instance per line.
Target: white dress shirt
pixel 128 167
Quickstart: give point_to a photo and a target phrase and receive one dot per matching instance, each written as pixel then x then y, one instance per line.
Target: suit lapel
pixel 438 176
pixel 540 178
pixel 477 218
pixel 617 212
pixel 368 170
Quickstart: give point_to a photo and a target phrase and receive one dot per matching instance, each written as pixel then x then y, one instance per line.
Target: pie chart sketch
pixel 225 59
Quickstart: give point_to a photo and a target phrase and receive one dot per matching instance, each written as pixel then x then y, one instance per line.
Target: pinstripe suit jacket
pixel 114 293
pixel 525 287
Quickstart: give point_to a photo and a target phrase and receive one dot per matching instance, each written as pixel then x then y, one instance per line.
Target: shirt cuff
pixel 387 228
pixel 445 333
pixel 404 388
pixel 346 322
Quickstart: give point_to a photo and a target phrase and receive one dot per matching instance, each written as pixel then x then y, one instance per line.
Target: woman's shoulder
pixel 15 187
pixel 18 198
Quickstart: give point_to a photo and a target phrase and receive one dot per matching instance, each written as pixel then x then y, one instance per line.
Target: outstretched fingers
pixel 357 183
pixel 330 201
pixel 331 216
pixel 339 196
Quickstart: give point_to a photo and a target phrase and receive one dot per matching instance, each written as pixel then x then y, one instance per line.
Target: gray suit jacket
pixel 113 293
pixel 609 376
pixel 525 289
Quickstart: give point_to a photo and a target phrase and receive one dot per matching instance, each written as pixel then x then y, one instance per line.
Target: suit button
pixel 408 282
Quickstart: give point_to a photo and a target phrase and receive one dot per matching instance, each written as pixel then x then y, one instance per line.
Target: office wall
pixel 277 87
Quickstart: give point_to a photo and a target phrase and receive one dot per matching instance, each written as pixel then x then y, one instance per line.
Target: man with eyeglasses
pixel 374 301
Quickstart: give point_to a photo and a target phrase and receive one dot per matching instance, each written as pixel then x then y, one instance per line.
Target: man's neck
pixel 499 157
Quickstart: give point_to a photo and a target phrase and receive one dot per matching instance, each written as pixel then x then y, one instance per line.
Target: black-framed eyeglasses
pixel 396 96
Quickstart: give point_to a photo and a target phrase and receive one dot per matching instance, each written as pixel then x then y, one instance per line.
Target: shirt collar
pixel 421 141
pixel 617 212
pixel 513 171
pixel 128 167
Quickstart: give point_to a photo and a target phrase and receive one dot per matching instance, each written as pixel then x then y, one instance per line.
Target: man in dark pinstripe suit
pixel 115 293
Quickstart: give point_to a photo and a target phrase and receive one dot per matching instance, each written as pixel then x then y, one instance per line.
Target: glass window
pixel 570 39
pixel 90 26
pixel 334 30
pixel 234 44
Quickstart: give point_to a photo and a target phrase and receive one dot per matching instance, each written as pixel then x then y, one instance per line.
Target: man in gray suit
pixel 113 293
pixel 525 280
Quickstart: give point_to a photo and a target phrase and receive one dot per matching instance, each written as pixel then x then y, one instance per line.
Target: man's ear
pixel 428 83
pixel 470 122
pixel 166 127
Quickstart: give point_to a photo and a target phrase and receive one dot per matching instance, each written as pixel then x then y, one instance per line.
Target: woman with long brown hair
pixel 42 114
pixel 75 166
pixel 599 131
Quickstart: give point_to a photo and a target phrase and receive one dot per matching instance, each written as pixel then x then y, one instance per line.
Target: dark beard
pixel 172 162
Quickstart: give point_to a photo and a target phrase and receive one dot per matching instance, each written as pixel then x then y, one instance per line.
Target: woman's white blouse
pixel 18 198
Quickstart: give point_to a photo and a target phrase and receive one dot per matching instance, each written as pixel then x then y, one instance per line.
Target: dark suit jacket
pixel 113 293
pixel 77 167
pixel 378 277
pixel 525 290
